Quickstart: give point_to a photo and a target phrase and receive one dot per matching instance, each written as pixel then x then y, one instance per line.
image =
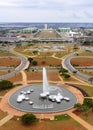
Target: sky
pixel 46 11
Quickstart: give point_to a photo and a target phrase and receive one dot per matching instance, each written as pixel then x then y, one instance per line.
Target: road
pixel 24 63
pixel 67 64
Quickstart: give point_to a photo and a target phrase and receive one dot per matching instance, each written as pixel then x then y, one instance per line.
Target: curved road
pixel 24 63
pixel 67 64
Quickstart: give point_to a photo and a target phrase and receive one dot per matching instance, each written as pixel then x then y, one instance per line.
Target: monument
pixel 46 27
pixel 43 98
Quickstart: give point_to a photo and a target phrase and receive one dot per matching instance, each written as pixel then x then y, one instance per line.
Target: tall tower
pixel 45 26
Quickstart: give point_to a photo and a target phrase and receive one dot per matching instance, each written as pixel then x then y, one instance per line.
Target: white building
pixel 75 34
pixel 45 26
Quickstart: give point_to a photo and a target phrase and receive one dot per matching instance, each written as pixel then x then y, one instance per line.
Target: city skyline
pixel 46 11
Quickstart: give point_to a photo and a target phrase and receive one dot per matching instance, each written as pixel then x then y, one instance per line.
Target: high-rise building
pixel 45 26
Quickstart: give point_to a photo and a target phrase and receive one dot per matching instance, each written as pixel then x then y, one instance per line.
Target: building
pixel 75 34
pixel 29 30
pixel 64 30
pixel 45 26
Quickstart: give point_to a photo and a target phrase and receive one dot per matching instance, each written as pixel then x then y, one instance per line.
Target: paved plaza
pixel 42 105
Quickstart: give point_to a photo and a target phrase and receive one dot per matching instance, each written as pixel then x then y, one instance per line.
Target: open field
pixel 24 50
pixel 3 92
pixel 46 53
pixel 52 76
pixel 9 61
pixel 14 124
pixel 47 61
pixel 60 54
pixel 16 78
pixel 28 53
pixel 25 35
pixel 86 88
pixel 71 79
pixel 2 73
pixel 86 53
pixel 5 53
pixel 2 114
pixel 87 116
pixel 27 50
pixel 82 61
pixel 47 34
pixel 89 73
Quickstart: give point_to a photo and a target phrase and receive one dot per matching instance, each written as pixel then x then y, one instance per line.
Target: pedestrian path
pixel 1 96
pixel 24 77
pixel 5 119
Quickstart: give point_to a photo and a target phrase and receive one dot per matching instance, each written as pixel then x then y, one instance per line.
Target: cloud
pixel 6 4
pixel 46 10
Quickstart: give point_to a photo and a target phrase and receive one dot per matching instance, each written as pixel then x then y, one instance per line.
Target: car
pixel 74 71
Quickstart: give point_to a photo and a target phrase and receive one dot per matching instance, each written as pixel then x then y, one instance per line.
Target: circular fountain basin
pixel 36 104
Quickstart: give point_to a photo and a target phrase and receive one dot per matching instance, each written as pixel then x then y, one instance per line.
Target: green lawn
pixel 62 117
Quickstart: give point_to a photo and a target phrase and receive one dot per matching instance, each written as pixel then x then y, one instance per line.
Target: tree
pixel 28 118
pixel 35 52
pixel 78 106
pixel 30 59
pixel 75 47
pixel 5 84
pixel 62 71
pixel 81 107
pixel 85 107
pixel 66 76
pixel 34 63
pixel 92 105
pixel 88 102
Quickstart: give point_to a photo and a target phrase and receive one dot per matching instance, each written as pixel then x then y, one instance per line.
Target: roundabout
pixel 43 98
pixel 34 103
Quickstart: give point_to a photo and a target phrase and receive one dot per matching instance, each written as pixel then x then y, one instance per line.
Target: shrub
pixel 35 52
pixel 34 63
pixel 78 105
pixel 62 70
pixel 66 76
pixel 28 118
pixel 30 59
pixel 5 84
pixel 88 102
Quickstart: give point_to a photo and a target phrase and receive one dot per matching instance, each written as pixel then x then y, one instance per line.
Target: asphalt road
pixel 23 65
pixel 67 64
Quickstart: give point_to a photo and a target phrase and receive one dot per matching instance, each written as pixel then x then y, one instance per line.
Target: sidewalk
pixel 5 119
pixel 24 77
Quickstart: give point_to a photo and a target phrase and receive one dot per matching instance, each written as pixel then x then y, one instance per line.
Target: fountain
pixel 46 99
pixel 45 84
pixel 58 97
